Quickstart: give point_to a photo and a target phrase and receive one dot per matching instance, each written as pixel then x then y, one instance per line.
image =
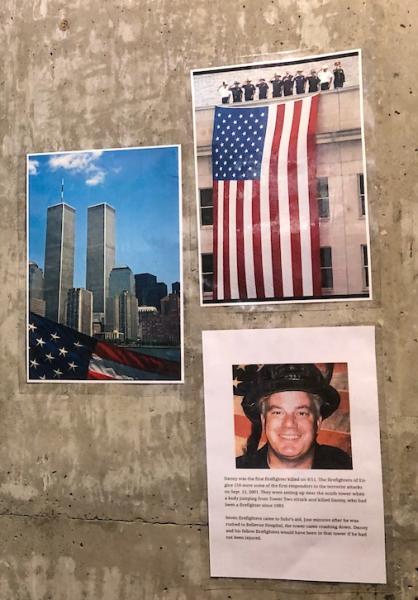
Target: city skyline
pixel 141 184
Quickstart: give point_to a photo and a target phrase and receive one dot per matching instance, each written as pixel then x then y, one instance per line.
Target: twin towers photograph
pixel 104 273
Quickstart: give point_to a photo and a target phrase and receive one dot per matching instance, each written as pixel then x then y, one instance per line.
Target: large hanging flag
pixel 59 353
pixel 266 231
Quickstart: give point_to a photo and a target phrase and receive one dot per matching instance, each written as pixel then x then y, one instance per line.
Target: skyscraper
pixel 100 254
pixel 59 259
pixel 121 280
pixel 127 305
pixel 175 288
pixel 170 306
pixel 36 281
pixel 143 282
pixel 149 291
pixel 36 289
pixel 80 310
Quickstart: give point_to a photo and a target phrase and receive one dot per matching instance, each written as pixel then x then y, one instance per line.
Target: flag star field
pixel 238 142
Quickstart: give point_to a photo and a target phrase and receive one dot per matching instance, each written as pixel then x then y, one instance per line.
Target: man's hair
pixel 316 400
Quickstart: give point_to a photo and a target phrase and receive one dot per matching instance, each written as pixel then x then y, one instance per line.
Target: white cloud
pixel 75 161
pixel 33 166
pixel 97 178
pixel 80 162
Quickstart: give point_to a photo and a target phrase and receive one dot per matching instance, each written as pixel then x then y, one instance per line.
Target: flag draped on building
pixel 266 231
pixel 59 353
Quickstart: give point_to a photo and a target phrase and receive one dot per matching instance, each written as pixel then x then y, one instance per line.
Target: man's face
pixel 291 425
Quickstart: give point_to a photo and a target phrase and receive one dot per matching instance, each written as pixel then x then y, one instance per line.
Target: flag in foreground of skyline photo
pixel 59 353
pixel 266 230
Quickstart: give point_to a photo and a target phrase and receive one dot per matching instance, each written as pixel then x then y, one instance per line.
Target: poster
pixel 293 454
pixel 281 181
pixel 104 277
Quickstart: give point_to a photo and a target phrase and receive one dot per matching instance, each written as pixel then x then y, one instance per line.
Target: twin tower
pixel 59 257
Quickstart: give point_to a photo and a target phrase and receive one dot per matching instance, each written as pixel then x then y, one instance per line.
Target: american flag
pixel 266 232
pixel 59 353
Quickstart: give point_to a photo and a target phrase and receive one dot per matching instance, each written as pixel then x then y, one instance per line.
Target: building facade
pixel 80 310
pixel 125 315
pixel 36 289
pixel 341 194
pixel 175 288
pixel 100 254
pixel 121 280
pixel 170 305
pixel 36 281
pixel 149 291
pixel 161 328
pixel 59 260
pixel 37 306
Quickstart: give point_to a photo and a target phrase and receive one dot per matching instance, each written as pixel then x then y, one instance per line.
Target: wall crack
pixel 96 519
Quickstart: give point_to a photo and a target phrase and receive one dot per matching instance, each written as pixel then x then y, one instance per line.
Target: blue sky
pixel 142 184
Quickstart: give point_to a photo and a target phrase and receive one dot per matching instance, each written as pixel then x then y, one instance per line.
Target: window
pixel 365 265
pixel 322 196
pixel 361 194
pixel 207 272
pixel 326 267
pixel 206 207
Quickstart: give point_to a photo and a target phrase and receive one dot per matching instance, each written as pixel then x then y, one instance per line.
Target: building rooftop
pixel 101 204
pixel 61 204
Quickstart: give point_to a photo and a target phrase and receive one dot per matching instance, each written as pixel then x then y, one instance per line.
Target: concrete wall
pixel 102 489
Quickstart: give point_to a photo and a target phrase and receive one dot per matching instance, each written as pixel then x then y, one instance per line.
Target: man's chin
pixel 291 452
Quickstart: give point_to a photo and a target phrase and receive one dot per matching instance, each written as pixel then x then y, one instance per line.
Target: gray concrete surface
pixel 102 490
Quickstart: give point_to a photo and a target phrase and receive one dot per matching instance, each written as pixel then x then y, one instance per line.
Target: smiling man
pixel 288 403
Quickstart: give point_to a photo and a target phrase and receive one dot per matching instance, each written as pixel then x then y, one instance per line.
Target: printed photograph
pixel 292 416
pixel 104 278
pixel 281 181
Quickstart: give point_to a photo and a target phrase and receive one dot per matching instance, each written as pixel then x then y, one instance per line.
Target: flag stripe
pixel 258 258
pixel 294 201
pixel 248 240
pixel 215 192
pixel 136 360
pixel 101 368
pixel 242 286
pixel 303 195
pixel 225 237
pixel 313 203
pixel 220 238
pixel 274 204
pixel 233 263
pixel 265 219
pixel 92 374
pixel 284 211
